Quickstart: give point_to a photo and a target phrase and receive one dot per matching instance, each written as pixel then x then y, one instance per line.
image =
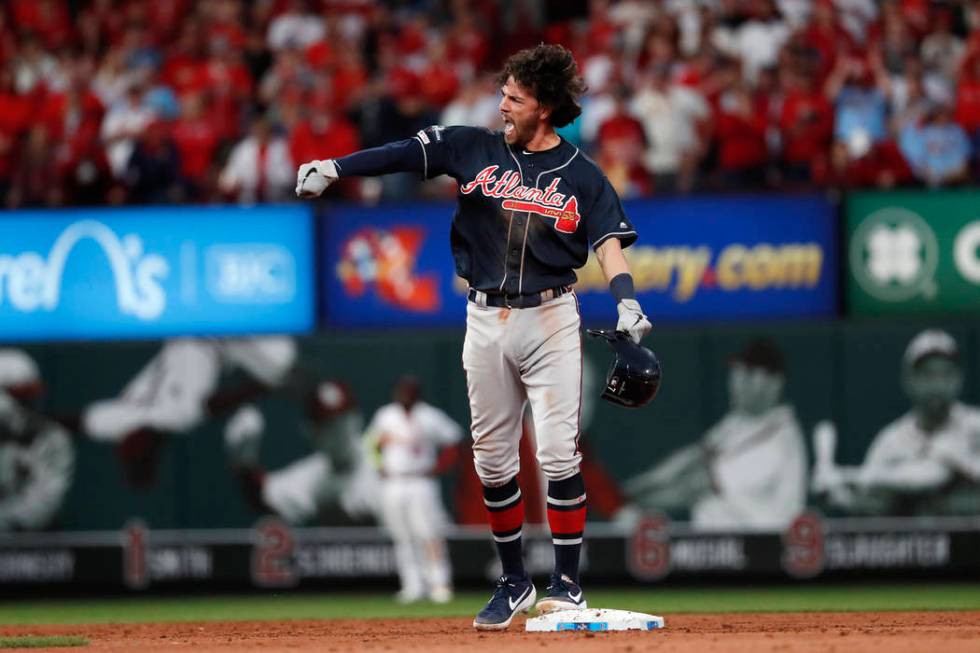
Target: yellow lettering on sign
pixel 690 270
pixel 655 268
pixel 765 266
pixel 730 267
pixel 681 270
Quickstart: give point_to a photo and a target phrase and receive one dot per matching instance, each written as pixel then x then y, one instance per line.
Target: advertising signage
pixel 914 252
pixel 143 273
pixel 697 259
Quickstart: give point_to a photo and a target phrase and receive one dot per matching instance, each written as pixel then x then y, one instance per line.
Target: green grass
pixel 348 605
pixel 39 641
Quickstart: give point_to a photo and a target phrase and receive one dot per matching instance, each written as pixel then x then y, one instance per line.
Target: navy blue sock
pixel 566 516
pixel 506 510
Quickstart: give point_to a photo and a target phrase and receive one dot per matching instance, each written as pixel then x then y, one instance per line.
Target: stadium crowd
pixel 163 101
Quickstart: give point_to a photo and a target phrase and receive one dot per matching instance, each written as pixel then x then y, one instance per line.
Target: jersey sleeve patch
pixel 439 147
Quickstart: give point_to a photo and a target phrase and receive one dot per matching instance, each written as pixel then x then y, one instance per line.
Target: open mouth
pixel 508 126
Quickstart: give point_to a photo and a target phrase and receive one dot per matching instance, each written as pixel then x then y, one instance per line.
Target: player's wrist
pixel 621 286
pixel 328 168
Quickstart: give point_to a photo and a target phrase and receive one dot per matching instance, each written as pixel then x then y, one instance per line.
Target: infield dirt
pixel 853 632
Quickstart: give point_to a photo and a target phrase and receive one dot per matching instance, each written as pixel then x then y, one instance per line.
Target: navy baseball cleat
pixel 513 595
pixel 562 594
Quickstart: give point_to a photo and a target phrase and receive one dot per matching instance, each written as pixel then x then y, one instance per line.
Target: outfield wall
pixel 193 521
pixel 152 492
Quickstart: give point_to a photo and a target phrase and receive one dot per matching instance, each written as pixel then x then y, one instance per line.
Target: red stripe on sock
pixel 566 521
pixel 507 520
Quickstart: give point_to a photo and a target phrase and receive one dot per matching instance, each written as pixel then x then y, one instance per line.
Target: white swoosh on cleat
pixel 513 604
pixel 576 597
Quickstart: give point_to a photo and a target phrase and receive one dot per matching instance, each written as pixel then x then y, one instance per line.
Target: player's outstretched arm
pixel 617 272
pixel 401 156
pixel 430 153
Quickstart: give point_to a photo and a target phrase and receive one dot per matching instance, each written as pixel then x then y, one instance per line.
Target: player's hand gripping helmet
pixel 634 376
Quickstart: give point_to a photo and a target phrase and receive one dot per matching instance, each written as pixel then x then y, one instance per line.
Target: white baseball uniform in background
pixel 35 475
pixel 411 504
pixel 336 473
pixel 906 458
pixel 37 456
pixel 938 470
pixel 170 392
pixel 758 469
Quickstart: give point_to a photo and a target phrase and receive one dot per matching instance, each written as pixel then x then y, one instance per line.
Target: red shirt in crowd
pixel 229 84
pixel 621 126
pixel 164 18
pixel 63 118
pixel 968 105
pixel 46 18
pixel 319 55
pixel 884 166
pixel 348 79
pixel 185 73
pixel 196 140
pixel 439 83
pixel 15 118
pixel 15 112
pixel 400 82
pixel 621 142
pixel 741 140
pixel 467 43
pixel 322 137
pixel 806 123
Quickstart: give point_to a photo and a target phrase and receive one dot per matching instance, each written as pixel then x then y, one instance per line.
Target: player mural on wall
pixel 37 456
pixel 177 390
pixel 926 462
pixel 414 442
pixel 517 236
pixel 180 389
pixel 749 471
pixel 336 475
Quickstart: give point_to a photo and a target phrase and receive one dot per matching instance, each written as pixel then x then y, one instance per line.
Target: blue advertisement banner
pixel 147 273
pixel 706 258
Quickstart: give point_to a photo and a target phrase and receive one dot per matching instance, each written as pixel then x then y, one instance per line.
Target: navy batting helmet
pixel 634 376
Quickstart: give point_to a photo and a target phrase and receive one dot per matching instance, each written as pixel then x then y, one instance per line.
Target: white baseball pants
pixel 412 511
pixel 513 355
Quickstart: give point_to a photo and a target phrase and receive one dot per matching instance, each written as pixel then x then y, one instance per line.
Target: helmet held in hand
pixel 634 376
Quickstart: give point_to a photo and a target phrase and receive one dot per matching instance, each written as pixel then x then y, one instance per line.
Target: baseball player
pixel 925 462
pixel 530 204
pixel 408 435
pixel 749 471
pixel 37 458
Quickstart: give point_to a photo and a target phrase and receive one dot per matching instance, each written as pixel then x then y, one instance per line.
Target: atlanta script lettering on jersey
pixel 547 202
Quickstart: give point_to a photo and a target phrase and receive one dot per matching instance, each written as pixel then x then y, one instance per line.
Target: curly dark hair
pixel 550 74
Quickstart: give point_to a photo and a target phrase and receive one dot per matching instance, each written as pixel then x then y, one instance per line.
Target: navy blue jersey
pixel 524 220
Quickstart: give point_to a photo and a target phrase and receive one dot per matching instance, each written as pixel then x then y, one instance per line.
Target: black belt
pixel 501 300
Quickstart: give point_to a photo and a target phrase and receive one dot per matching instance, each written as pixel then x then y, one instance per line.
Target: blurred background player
pixel 748 472
pixel 37 457
pixel 927 462
pixel 336 475
pixel 408 435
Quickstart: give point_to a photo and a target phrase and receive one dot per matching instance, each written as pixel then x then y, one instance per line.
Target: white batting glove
pixel 632 320
pixel 314 177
